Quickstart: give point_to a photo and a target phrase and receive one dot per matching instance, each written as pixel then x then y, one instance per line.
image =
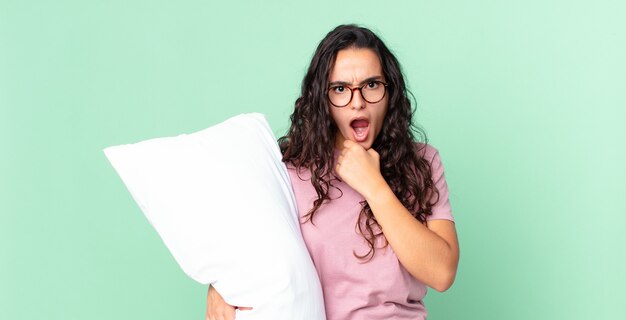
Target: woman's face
pixel 359 121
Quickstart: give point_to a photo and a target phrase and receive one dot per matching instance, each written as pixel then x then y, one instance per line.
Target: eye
pixel 372 85
pixel 338 89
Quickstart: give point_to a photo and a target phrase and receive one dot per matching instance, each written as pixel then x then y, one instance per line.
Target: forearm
pixel 426 255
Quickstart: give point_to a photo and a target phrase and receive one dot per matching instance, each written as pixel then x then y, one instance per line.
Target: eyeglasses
pixel 372 92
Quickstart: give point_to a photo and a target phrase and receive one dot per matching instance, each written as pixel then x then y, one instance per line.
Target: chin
pixel 366 144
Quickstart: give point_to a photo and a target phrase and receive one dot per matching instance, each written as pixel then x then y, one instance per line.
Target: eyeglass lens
pixel 371 92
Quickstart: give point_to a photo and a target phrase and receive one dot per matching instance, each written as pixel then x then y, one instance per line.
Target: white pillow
pixel 222 202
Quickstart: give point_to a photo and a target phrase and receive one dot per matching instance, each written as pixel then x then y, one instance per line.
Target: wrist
pixel 378 188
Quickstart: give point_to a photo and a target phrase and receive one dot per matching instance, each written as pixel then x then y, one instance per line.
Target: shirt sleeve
pixel 441 209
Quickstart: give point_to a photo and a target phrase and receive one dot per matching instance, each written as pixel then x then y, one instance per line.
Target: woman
pixel 374 205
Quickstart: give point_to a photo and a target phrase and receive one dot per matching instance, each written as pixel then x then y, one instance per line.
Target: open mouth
pixel 360 128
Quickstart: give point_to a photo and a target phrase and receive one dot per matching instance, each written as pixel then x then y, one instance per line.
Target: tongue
pixel 360 130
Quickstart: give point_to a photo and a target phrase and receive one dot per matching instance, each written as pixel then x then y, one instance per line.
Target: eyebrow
pixel 344 83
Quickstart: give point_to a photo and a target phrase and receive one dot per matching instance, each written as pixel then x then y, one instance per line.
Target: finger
pixel 244 308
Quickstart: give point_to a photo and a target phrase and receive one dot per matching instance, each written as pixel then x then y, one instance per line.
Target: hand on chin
pixel 359 167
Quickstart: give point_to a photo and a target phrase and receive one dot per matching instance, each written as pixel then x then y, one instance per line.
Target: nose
pixel 357 99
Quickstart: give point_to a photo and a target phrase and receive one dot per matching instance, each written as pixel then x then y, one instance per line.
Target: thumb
pixel 372 152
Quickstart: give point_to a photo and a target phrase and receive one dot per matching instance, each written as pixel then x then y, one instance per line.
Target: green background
pixel 524 99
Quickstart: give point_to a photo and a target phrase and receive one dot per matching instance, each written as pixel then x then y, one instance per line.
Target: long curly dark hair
pixel 310 141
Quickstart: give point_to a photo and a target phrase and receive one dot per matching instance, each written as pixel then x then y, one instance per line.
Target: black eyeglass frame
pixel 385 85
